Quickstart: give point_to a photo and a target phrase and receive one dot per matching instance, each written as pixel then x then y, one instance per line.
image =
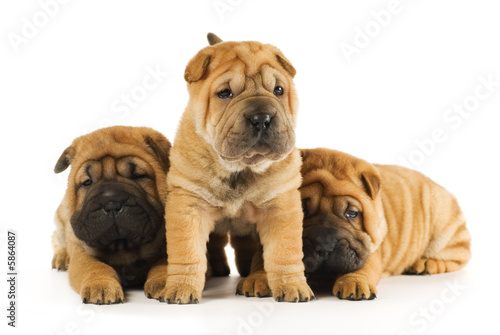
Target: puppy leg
pixel 361 284
pixel 97 283
pixel 255 285
pixel 448 250
pixel 216 255
pixel 60 260
pixel 157 277
pixel 280 232
pixel 245 248
pixel 189 221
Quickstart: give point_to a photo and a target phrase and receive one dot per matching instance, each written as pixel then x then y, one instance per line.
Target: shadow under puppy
pixel 363 222
pixel 110 228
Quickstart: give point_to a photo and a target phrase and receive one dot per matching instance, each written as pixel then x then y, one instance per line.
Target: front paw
pixel 60 261
pixel 296 291
pixel 354 287
pixel 255 285
pixel 102 291
pixel 180 293
pixel 428 266
pixel 154 286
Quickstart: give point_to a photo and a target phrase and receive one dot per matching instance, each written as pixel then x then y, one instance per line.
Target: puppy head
pixel 116 187
pixel 243 101
pixel 343 216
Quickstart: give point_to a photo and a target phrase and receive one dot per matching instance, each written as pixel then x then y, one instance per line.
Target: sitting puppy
pixel 110 228
pixel 363 222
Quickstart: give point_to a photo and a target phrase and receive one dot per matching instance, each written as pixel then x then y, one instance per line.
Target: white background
pixel 67 78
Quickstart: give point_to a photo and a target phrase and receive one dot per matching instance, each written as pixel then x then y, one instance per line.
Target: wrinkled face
pixel 248 116
pixel 343 214
pixel 118 206
pixel 248 103
pixel 335 241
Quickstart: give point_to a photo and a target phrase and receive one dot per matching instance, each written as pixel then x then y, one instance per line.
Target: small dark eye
pixel 225 94
pixel 278 90
pixel 136 176
pixel 87 182
pixel 351 214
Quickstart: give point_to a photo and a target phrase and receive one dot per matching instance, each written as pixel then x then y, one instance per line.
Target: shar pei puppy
pixel 363 222
pixel 110 228
pixel 235 168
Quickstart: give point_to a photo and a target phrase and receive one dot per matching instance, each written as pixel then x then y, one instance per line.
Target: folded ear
pixel 286 65
pixel 213 39
pixel 311 196
pixel 65 160
pixel 197 67
pixel 161 147
pixel 371 183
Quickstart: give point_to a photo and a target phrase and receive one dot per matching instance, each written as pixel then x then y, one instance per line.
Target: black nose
pixel 113 200
pixel 323 238
pixel 260 121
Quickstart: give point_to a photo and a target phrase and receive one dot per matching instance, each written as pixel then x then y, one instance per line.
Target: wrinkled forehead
pixel 248 59
pixel 108 166
pixel 110 154
pixel 322 183
pixel 254 56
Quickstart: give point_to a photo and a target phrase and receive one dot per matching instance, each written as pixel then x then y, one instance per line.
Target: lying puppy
pixel 363 222
pixel 234 167
pixel 110 228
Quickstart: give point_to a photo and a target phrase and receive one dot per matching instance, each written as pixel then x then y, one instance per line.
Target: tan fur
pixel 216 186
pixel 409 224
pixel 106 153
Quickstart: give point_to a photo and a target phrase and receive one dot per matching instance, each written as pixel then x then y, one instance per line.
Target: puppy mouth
pixel 253 156
pixel 248 158
pixel 331 251
pixel 337 258
pixel 129 243
pixel 251 142
pixel 116 222
pixel 117 234
pixel 253 160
